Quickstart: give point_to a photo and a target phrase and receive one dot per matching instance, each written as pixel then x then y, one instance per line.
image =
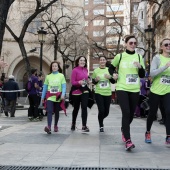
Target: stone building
pixel 19 12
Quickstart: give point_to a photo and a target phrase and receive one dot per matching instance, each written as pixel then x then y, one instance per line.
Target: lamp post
pixel 41 37
pixel 148 33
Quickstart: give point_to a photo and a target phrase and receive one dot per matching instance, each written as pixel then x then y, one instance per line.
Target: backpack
pixel 28 86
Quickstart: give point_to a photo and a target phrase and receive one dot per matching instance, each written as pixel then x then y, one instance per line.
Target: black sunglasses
pixel 130 43
pixel 166 45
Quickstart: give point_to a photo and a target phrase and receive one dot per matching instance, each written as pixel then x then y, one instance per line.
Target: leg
pixel 125 108
pixel 50 108
pixel 166 106
pixel 107 101
pixel 154 100
pixel 76 104
pixel 133 100
pixel 36 104
pixel 84 102
pixel 7 103
pixel 31 107
pixel 13 107
pixel 56 108
pixel 100 104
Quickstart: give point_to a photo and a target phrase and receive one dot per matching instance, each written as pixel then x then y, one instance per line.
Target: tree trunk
pixel 55 47
pixel 4 7
pixel 24 55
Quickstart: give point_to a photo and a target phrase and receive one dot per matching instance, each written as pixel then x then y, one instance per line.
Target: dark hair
pixel 33 70
pixel 128 37
pixel 59 68
pixel 103 57
pixel 77 61
pixel 39 75
pixel 160 50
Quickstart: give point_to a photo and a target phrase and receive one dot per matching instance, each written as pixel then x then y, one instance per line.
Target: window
pixel 114 20
pixel 98 22
pixel 111 41
pixel 100 43
pixel 86 12
pixel 86 23
pixel 98 33
pixel 98 1
pixel 86 2
pixel 98 12
pixel 115 7
pixel 112 30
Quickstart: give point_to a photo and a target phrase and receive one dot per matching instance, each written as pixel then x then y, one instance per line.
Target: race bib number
pixel 131 79
pixel 104 84
pixel 54 89
pixel 165 80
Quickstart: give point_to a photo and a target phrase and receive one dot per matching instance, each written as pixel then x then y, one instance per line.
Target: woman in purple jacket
pixel 79 92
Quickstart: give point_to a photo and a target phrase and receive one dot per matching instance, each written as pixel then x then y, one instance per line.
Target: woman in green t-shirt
pixel 101 78
pixel 160 89
pixel 130 68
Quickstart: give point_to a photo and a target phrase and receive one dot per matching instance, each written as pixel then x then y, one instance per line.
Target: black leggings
pixel 128 102
pixel 103 104
pixel 154 101
pixel 77 99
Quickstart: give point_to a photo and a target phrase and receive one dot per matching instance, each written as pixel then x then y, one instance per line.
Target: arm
pixel 45 87
pixel 73 78
pixel 155 69
pixel 141 72
pixel 63 89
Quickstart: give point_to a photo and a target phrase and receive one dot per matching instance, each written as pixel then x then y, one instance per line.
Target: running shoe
pixel 167 141
pixel 148 137
pixel 55 128
pixel 30 118
pixel 47 129
pixel 101 129
pixel 73 127
pixel 85 129
pixel 129 145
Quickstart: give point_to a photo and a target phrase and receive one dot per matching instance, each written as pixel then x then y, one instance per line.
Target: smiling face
pixel 166 46
pixel 54 67
pixel 102 61
pixel 131 44
pixel 82 62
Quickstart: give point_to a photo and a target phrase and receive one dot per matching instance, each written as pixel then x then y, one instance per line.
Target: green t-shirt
pixel 128 79
pixel 161 82
pixel 54 83
pixel 103 87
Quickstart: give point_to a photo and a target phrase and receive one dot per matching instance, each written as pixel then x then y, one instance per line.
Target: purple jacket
pixel 143 87
pixel 78 73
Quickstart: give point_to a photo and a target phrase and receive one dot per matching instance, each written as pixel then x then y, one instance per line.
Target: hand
pixel 97 79
pixel 115 76
pixel 107 76
pixel 168 64
pixel 81 82
pixel 62 97
pixel 137 64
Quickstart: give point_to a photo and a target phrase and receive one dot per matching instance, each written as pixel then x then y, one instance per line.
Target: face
pixel 54 67
pixel 131 44
pixel 82 62
pixel 166 46
pixel 102 61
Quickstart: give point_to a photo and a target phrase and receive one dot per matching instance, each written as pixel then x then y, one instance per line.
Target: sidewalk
pixel 24 143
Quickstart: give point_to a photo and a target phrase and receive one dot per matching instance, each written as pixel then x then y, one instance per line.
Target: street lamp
pixel 41 37
pixel 149 32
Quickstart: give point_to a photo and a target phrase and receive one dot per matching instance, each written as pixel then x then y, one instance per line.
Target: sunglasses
pixel 130 43
pixel 166 45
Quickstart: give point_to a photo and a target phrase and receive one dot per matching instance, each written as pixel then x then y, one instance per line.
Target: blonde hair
pixel 160 50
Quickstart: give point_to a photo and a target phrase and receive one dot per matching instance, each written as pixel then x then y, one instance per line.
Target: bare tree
pixel 4 8
pixel 39 7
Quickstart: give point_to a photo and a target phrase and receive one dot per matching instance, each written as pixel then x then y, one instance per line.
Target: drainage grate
pixel 71 168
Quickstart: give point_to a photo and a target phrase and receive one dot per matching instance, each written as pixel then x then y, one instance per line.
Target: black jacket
pixel 11 85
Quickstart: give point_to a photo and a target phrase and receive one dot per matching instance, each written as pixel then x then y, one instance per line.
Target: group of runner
pixel 125 70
